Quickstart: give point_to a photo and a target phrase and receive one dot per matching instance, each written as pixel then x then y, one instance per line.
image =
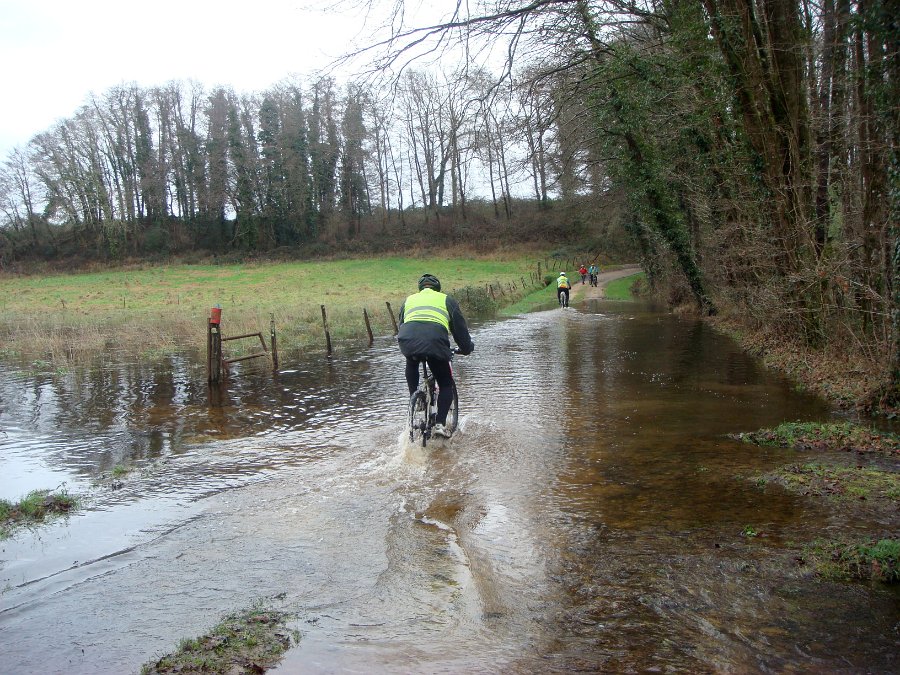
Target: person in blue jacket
pixel 427 320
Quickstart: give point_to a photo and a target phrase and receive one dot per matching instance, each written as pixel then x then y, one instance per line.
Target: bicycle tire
pixel 453 413
pixel 418 417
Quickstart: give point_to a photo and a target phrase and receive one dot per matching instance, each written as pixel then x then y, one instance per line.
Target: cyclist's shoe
pixel 440 430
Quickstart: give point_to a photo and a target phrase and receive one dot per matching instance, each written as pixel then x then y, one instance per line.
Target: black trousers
pixel 560 291
pixel 442 375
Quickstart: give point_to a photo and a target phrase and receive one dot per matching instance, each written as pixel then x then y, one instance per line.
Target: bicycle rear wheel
pixel 418 417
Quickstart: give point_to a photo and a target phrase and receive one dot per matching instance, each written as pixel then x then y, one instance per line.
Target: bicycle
pixel 423 406
pixel 594 280
pixel 563 298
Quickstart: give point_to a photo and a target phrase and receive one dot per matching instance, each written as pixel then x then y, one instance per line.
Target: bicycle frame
pixel 428 390
pixel 429 386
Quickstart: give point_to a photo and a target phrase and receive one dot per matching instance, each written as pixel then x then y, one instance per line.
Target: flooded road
pixel 588 515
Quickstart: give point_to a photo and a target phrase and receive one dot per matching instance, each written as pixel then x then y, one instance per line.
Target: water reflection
pixel 586 516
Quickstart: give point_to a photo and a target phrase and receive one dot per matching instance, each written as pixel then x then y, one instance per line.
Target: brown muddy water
pixel 587 517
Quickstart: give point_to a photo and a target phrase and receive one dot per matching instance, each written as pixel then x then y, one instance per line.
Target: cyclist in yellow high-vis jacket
pixel 427 319
pixel 562 289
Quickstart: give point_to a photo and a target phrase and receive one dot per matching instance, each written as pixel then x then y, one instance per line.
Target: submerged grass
pixel 250 641
pixel 835 478
pixel 837 482
pixel 33 509
pixel 155 310
pixel 834 436
pixel 877 560
pixel 871 492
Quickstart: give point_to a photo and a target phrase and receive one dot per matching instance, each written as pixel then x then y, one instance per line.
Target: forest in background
pixel 745 149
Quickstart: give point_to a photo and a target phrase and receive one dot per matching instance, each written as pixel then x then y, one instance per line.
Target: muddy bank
pixel 845 378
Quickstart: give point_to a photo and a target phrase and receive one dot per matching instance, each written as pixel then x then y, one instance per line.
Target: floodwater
pixel 588 516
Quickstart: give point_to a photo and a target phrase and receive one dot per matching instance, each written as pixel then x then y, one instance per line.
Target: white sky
pixel 54 53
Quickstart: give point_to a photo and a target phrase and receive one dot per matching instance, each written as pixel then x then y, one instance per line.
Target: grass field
pixel 621 289
pixel 153 309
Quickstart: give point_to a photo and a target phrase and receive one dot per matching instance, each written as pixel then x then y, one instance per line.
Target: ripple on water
pixel 586 515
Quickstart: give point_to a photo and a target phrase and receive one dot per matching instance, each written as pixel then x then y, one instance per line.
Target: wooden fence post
pixel 493 297
pixel 213 351
pixel 274 342
pixel 368 326
pixel 393 320
pixel 327 333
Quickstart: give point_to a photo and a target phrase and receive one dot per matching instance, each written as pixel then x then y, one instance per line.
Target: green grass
pixel 33 509
pixel 250 641
pixel 537 298
pixel 874 559
pixel 151 310
pixel 543 297
pixel 817 436
pixel 625 288
pixel 837 482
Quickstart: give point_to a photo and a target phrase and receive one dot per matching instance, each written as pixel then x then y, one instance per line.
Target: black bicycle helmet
pixel 430 281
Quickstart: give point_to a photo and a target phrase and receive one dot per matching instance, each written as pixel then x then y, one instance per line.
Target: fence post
pixel 493 297
pixel 539 269
pixel 274 342
pixel 393 320
pixel 368 326
pixel 213 351
pixel 327 333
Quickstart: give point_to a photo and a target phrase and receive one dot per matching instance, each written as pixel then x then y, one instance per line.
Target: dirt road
pixel 585 291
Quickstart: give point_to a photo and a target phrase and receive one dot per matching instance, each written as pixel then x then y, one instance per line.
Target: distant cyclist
pixel 562 289
pixel 427 319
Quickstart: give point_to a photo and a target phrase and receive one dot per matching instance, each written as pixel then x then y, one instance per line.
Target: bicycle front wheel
pixel 418 416
pixel 453 413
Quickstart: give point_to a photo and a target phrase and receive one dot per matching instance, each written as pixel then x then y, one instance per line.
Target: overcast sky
pixel 53 53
